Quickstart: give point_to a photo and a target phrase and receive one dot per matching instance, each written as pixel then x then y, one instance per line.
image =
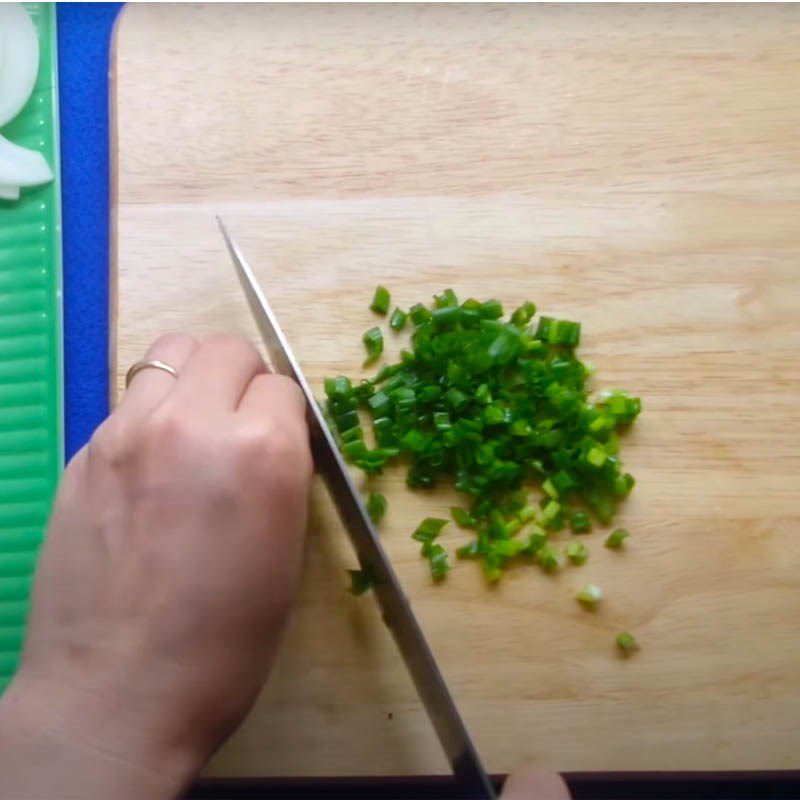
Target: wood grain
pixel 637 168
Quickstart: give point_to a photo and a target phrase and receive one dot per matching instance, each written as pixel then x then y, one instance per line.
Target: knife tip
pixel 223 229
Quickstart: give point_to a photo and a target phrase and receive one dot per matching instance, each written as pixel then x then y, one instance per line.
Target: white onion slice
pixel 19 59
pixel 22 167
pixel 9 192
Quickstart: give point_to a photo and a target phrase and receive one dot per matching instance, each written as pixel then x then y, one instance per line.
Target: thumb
pixel 532 784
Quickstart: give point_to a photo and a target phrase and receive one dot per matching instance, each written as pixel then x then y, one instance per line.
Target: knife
pixel 397 613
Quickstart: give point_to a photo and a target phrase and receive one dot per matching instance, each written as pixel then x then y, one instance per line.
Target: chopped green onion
pixel 616 538
pixel 596 457
pixel 446 317
pixel 580 522
pixel 590 595
pixel 536 541
pixel 376 506
pixel 547 558
pixel 381 300
pixel 522 316
pixel 627 643
pixel 491 309
pixel 462 518
pixel 437 560
pixel 576 552
pixel 508 548
pixel 483 395
pixel 419 314
pixel 446 299
pixel 373 341
pixel 351 434
pixel 338 388
pixel 360 581
pixel 550 512
pixel 559 331
pixel 623 408
pixel 455 398
pixel 496 408
pixel 494 414
pixel 492 569
pixel 429 529
pixel 398 320
pixel 471 550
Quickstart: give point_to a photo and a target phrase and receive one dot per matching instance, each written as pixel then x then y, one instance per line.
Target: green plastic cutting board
pixel 31 370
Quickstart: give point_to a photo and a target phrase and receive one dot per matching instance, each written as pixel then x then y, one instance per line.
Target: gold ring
pixel 149 364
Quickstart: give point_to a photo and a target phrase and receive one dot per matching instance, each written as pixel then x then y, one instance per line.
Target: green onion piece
pixel 491 309
pixel 559 331
pixel 446 299
pixel 494 414
pixel 503 349
pixel 380 404
pixel 360 581
pixel 580 522
pixel 381 300
pixel 471 550
pixel 576 552
pixel 437 560
pixel 462 518
pixel 446 317
pixel 398 320
pixel 415 441
pixel 596 457
pixel 563 481
pixel 492 568
pixel 441 420
pixel 616 538
pixel 623 408
pixel 590 595
pixel 536 541
pixel 429 529
pixel 548 487
pixel 352 434
pixel 419 314
pixel 376 506
pixel 338 388
pixel 627 643
pixel 508 548
pixel 373 342
pixel 522 316
pixel 483 395
pixel 547 558
pixel 355 449
pixel 455 398
pixel 550 512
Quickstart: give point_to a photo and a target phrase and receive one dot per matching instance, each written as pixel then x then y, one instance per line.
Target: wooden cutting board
pixel 636 168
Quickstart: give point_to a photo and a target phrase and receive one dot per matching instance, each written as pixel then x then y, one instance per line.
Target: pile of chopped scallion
pixel 495 408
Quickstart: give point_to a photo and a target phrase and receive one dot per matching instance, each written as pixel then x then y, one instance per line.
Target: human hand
pixel 531 784
pixel 167 574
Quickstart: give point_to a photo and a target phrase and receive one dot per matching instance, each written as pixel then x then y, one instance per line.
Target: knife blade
pixel 394 605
